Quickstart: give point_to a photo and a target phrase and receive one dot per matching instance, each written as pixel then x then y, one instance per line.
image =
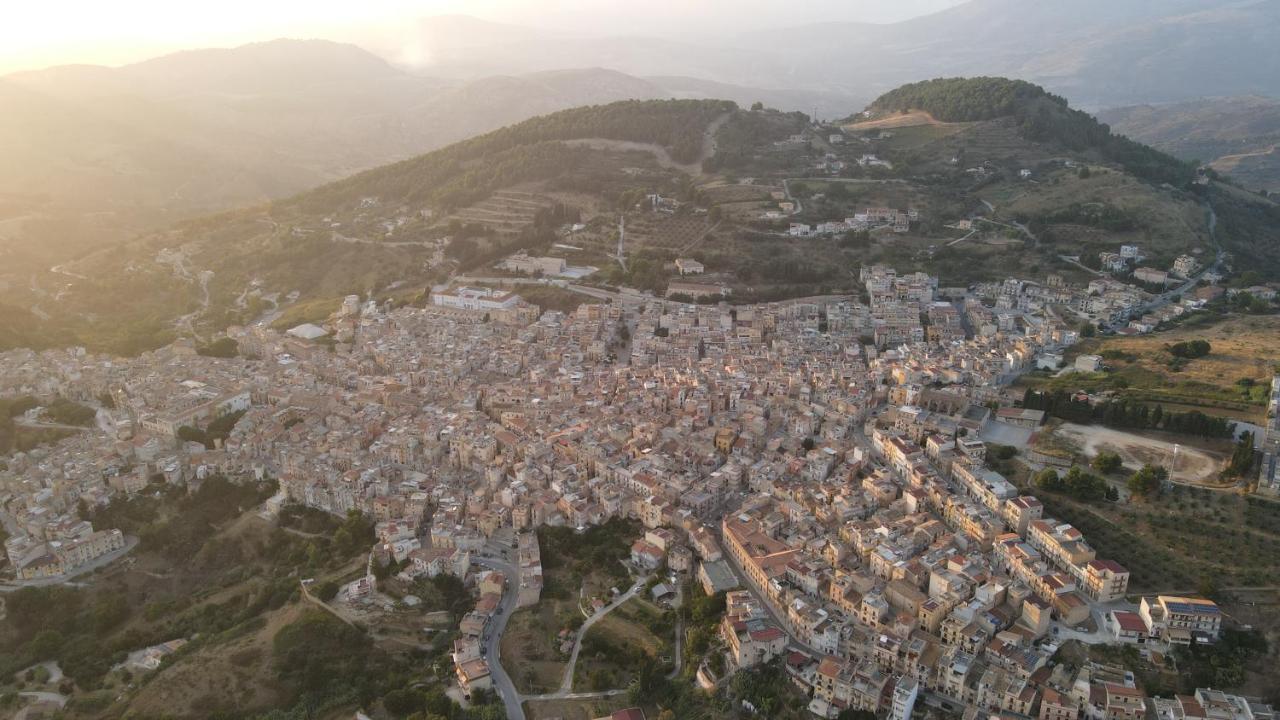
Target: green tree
pixel 45 645
pixel 1107 462
pixel 1242 457
pixel 1148 481
pixel 1190 349
pixel 1048 479
pixel 402 702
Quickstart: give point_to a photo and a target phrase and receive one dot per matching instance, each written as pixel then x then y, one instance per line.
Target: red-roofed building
pixel 1128 627
pixel 647 555
pixel 752 642
pixel 1105 580
pixel 1124 703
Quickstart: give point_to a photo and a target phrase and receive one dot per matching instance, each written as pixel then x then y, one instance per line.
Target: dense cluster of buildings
pixel 820 460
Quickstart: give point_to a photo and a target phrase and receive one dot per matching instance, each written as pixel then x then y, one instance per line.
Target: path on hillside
pixel 685 250
pixel 678 665
pixel 660 153
pixel 40 425
pixel 1082 266
pixel 306 595
pixel 566 684
pixel 1227 163
pixel 339 237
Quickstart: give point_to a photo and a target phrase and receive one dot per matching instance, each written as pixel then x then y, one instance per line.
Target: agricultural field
pixel 1231 381
pixel 531 644
pixel 1186 540
pixel 907 136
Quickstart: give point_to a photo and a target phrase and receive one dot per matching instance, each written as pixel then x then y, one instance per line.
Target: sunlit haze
pixel 56 32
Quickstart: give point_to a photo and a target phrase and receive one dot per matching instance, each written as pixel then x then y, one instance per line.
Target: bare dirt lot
pixel 1194 465
pixel 898 120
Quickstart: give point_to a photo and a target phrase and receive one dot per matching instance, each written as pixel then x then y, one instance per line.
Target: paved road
pixel 678 665
pixel 493 641
pixel 768 606
pixel 130 542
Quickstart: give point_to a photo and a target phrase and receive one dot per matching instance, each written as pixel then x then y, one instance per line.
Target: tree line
pixel 1126 414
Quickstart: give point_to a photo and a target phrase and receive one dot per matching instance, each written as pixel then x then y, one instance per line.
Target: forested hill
pixel 468 171
pixel 963 99
pixel 1040 116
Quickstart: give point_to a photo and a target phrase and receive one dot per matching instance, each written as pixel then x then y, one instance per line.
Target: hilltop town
pixel 823 465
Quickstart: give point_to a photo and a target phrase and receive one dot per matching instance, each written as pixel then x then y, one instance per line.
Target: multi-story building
pixel 474 298
pixel 1181 620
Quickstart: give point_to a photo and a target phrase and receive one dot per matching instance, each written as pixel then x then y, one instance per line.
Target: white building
pixel 689 266
pixel 904 698
pixel 473 298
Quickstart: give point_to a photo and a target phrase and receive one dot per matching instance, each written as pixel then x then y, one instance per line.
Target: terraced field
pixel 506 211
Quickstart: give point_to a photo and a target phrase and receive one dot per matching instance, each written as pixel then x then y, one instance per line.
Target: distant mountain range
pixel 1099 53
pixel 205 130
pixel 1236 136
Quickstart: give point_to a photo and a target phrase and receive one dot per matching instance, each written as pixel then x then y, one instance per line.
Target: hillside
pixel 92 155
pixel 367 233
pixel 1003 178
pixel 1237 136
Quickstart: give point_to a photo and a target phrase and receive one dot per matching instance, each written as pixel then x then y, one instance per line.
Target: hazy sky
pixel 39 33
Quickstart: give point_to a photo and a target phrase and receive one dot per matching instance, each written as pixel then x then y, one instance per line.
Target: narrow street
pixel 493 639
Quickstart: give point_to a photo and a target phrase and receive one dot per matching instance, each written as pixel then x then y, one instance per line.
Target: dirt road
pixel 1194 465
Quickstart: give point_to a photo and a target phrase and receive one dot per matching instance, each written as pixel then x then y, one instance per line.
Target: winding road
pixel 493 638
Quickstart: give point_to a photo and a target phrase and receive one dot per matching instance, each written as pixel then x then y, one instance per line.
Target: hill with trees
pixel 1041 117
pixel 469 170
